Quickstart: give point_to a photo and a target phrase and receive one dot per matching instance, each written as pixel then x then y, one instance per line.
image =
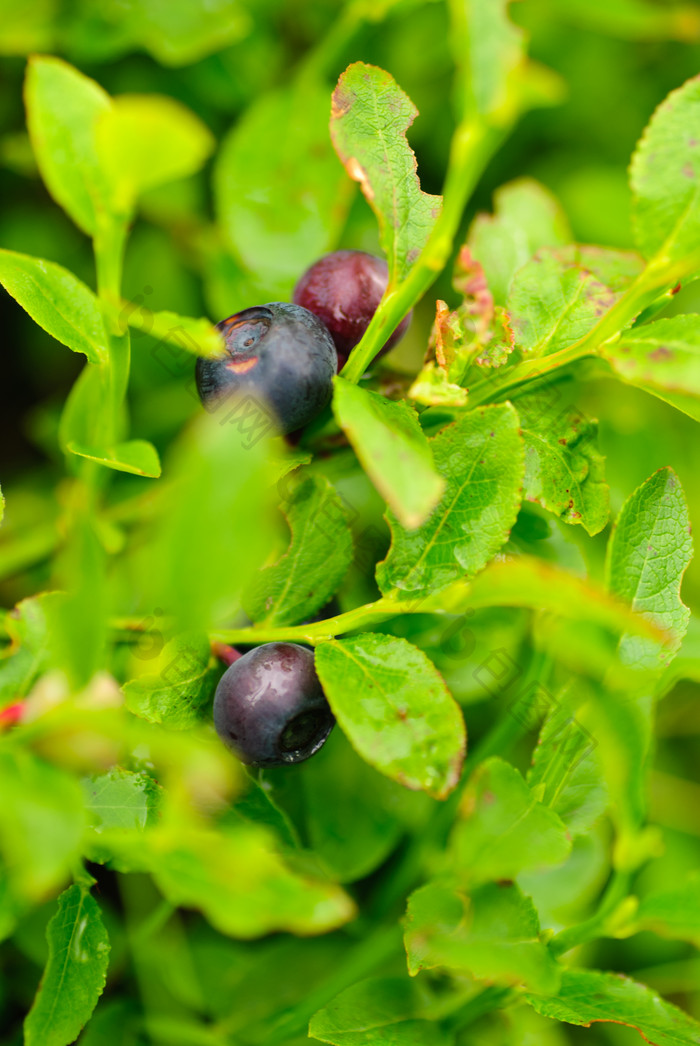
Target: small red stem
pixel 225 653
pixel 11 714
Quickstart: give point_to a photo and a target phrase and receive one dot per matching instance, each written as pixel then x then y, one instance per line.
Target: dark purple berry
pixel 269 708
pixel 344 289
pixel 277 353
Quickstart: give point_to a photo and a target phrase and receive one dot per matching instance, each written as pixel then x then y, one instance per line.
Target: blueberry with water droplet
pixel 279 354
pixel 269 708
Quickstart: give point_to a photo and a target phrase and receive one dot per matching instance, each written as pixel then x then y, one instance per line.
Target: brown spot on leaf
pixel 341 103
pixel 661 353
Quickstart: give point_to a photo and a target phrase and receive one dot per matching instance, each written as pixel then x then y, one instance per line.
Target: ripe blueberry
pixel 344 289
pixel 269 708
pixel 279 353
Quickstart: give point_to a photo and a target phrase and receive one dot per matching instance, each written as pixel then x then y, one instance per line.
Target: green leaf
pixel 41 828
pixel 10 907
pixel 57 301
pixel 194 337
pixel 524 581
pixel 393 705
pixel 178 693
pixel 492 934
pixel 283 207
pixel 526 217
pixel 565 770
pixel 481 458
pixel 369 118
pixel 85 412
pixel 503 830
pixel 567 892
pixel 392 449
pixel 463 342
pixel 386 1011
pixel 633 19
pixel 146 140
pixel 662 358
pixel 183 33
pixel 63 107
pixel 355 816
pixel 116 1022
pixel 85 428
pixel 310 572
pixel 674 912
pixel 622 725
pixel 215 526
pixel 616 269
pixel 586 996
pixel 647 556
pixel 553 304
pixel 240 884
pixel 28 28
pixel 136 456
pixel 564 471
pixel 686 664
pixel 77 625
pixel 664 177
pixel 75 972
pixel 259 806
pixel 29 652
pixel 121 799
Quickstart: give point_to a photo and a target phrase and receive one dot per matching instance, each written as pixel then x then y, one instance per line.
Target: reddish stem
pixel 225 653
pixel 11 714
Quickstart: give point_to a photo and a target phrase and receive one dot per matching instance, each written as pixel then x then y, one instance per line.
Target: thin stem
pixel 617 889
pixel 81 876
pixel 473 144
pixel 361 617
pixel 225 653
pixel 109 244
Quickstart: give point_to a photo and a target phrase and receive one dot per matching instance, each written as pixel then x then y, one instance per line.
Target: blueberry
pixel 279 353
pixel 344 289
pixel 269 708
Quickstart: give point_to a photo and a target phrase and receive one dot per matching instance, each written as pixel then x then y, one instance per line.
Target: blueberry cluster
pixel 287 354
pixel 269 707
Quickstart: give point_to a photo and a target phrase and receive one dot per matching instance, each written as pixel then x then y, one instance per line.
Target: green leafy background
pixel 151 890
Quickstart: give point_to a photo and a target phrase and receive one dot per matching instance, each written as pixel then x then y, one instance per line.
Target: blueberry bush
pixel 430 605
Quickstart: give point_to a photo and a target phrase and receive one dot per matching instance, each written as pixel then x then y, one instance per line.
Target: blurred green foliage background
pixel 225 60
